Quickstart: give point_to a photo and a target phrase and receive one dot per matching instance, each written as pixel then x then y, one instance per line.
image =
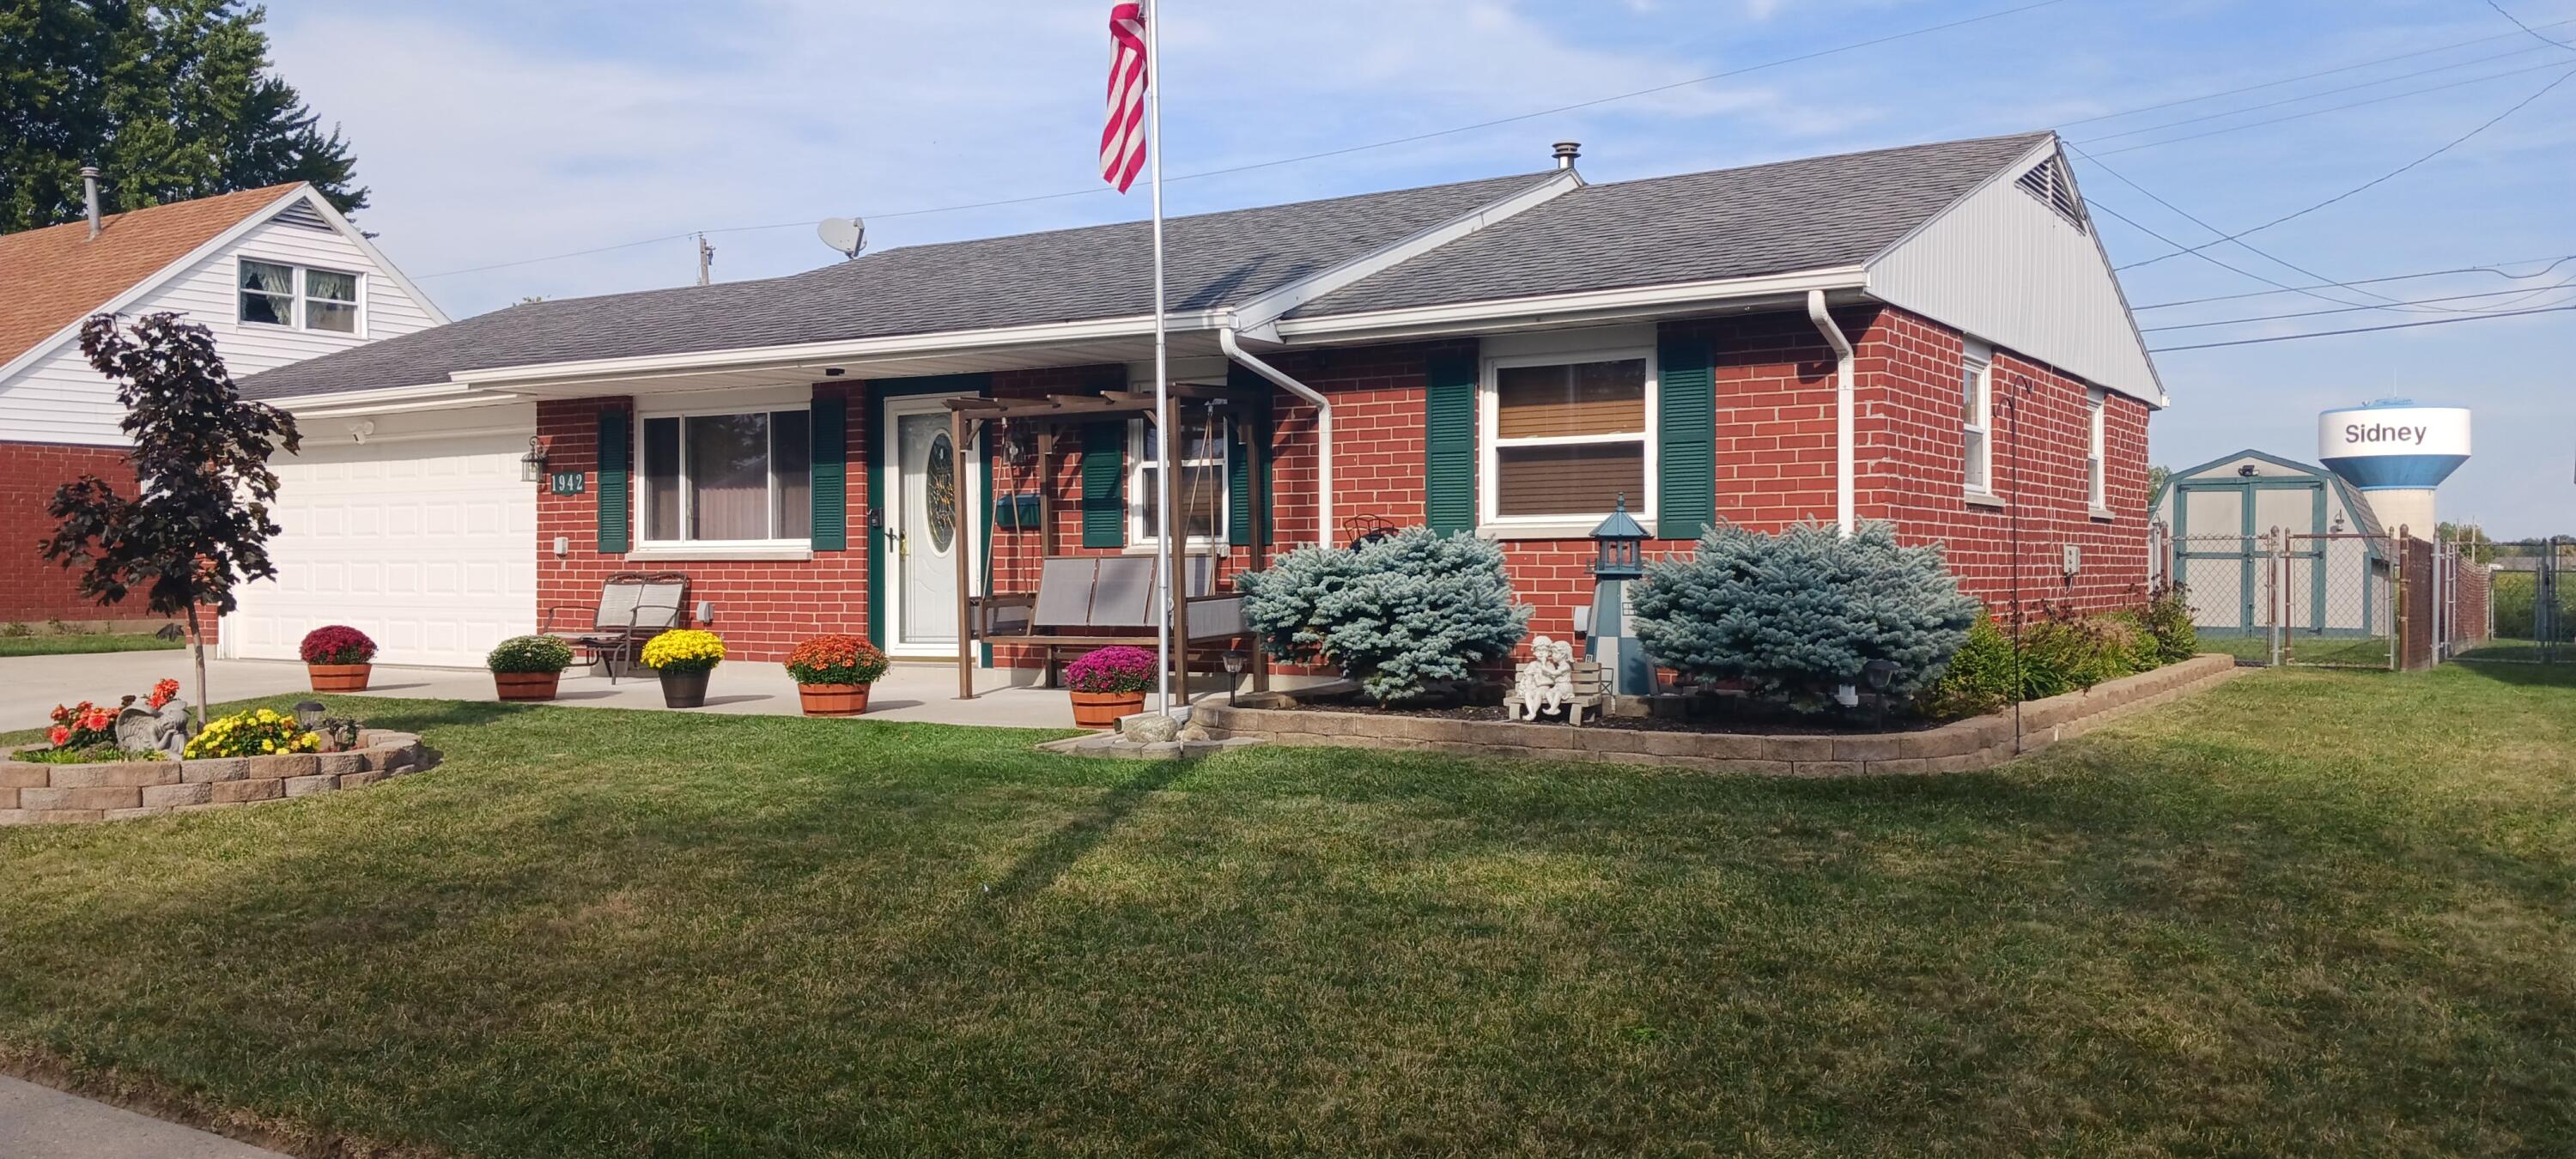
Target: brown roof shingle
pixel 53 276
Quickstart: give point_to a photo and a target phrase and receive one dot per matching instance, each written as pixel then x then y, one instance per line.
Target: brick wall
pixel 32 588
pixel 1774 455
pixel 1911 463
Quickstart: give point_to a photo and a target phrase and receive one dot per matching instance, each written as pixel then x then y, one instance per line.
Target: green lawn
pixel 60 644
pixel 2306 913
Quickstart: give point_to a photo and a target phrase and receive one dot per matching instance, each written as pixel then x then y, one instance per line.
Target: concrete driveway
pixel 43 1123
pixel 30 686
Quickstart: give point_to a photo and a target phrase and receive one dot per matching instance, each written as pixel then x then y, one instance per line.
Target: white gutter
pixel 1583 307
pixel 1844 517
pixel 1323 428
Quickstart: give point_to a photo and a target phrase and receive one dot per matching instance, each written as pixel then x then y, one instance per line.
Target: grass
pixel 2306 913
pixel 2305 648
pixel 64 644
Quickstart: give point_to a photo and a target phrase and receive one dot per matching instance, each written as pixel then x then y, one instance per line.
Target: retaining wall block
pixel 215 769
pixel 197 793
pixel 25 775
pixel 85 797
pixel 1798 748
pixel 306 786
pixel 8 797
pixel 71 816
pixel 287 765
pixel 131 814
pixel 116 774
pixel 236 792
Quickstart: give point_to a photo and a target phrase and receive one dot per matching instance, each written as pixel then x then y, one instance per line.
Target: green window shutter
pixel 1252 423
pixel 1449 443
pixel 616 443
pixel 1686 454
pixel 830 473
pixel 1104 484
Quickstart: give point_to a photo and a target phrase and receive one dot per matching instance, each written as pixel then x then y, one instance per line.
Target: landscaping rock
pixel 1148 728
pixel 87 797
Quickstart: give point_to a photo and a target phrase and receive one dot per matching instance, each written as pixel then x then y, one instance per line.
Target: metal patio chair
pixel 633 608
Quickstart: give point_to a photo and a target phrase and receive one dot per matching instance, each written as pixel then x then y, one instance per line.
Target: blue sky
pixel 493 132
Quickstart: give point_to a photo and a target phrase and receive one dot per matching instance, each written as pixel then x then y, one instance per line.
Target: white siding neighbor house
pixel 277 275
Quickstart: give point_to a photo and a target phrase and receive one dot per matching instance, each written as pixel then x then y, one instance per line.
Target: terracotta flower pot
pixel 526 685
pixel 833 699
pixel 339 677
pixel 1102 709
pixel 685 689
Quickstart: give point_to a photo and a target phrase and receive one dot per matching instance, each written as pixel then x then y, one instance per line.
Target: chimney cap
pixel 89 171
pixel 1567 152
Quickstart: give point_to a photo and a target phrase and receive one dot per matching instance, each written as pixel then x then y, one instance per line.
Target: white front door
pixel 922 534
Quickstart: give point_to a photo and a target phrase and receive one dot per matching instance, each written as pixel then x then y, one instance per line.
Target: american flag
pixel 1122 140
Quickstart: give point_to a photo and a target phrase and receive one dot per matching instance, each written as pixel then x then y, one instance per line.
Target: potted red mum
pixel 338 658
pixel 833 674
pixel 1109 683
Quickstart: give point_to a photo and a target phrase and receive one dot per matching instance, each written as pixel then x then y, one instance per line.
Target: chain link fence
pixel 2323 600
pixel 2526 594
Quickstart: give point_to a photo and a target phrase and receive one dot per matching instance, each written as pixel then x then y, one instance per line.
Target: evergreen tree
pixel 171 101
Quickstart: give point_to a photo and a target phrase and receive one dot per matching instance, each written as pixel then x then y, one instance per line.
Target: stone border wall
pixel 113 791
pixel 1962 746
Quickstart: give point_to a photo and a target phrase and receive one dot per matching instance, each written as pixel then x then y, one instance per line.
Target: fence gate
pixel 2338 600
pixel 2530 601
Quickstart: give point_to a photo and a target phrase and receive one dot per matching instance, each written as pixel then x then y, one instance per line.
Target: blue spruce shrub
pixel 1795 615
pixel 1395 615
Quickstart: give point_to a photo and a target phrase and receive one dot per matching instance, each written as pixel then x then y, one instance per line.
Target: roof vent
pixel 2048 181
pixel 1567 152
pixel 89 196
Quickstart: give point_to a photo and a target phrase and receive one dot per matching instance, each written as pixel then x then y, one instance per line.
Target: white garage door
pixel 429 545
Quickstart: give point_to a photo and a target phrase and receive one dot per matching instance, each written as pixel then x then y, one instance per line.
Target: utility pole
pixel 706 258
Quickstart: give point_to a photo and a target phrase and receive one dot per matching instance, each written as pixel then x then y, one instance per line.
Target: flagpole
pixel 1163 434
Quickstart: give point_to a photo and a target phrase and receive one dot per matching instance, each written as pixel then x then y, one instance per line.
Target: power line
pixel 2350 309
pixel 2365 329
pixel 2133 223
pixel 1346 150
pixel 2307 76
pixel 2324 111
pixel 2535 32
pixel 2240 111
pixel 2247 246
pixel 2446 147
pixel 2485 269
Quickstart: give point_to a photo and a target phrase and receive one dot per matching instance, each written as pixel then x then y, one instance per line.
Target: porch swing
pixel 1089 601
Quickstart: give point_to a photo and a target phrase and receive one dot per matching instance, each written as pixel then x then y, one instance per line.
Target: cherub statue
pixel 1547 681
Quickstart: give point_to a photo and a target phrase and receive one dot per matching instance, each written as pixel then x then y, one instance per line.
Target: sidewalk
pixel 38 1122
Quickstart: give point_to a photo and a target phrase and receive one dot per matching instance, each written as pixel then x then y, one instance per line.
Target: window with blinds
pixel 1568 439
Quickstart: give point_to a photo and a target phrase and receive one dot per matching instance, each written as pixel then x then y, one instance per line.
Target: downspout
pixel 1845 519
pixel 1323 426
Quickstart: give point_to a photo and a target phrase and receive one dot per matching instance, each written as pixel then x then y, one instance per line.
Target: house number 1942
pixel 567 482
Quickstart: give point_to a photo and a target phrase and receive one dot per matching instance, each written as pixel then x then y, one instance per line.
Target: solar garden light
pixel 1234 662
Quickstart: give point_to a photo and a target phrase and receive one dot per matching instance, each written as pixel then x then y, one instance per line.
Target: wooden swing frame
pixel 969 417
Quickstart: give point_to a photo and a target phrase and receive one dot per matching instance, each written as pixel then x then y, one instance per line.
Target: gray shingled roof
pixel 1761 219
pixel 1729 223
pixel 1214 259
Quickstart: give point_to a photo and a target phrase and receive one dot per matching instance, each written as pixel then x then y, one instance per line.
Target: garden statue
pixel 162 731
pixel 1546 682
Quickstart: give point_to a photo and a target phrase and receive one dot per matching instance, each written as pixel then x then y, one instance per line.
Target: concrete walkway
pixel 39 1122
pixel 30 686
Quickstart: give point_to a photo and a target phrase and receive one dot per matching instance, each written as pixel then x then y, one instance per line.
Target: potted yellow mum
pixel 683 659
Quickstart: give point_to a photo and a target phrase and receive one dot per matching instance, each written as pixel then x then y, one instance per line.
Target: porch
pixel 911 692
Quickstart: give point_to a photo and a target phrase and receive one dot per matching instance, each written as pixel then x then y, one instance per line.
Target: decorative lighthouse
pixel 1613 642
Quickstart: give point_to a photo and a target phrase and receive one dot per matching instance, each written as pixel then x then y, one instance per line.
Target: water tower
pixel 2399 452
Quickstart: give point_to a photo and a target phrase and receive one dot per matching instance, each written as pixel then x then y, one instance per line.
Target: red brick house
pixel 1927 335
pixel 276 274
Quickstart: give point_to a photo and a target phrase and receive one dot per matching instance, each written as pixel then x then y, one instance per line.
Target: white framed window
pixel 1565 436
pixel 301 297
pixel 1977 419
pixel 742 478
pixel 1207 486
pixel 2094 451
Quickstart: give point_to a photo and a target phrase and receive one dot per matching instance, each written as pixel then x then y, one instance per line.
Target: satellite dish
pixel 846 234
